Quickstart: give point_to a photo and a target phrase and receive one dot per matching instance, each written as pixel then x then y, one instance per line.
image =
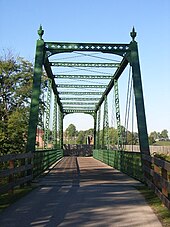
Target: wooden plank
pixel 163 198
pixel 147 158
pixel 162 163
pixel 6 188
pixel 7 172
pixel 9 157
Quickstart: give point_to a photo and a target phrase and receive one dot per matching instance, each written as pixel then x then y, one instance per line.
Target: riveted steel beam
pixel 80 93
pixel 78 103
pixel 85 64
pixel 36 91
pixel 101 77
pixel 80 86
pixel 79 99
pixel 61 47
pixel 69 111
pixel 78 108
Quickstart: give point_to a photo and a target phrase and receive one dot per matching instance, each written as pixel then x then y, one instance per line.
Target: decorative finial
pixel 133 34
pixel 40 32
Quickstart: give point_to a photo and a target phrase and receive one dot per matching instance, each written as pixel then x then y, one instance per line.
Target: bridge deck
pixel 81 192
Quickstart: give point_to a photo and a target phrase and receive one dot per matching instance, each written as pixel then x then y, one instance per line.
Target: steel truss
pixel 129 54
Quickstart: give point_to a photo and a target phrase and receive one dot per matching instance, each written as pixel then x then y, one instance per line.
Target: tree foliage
pixel 15 90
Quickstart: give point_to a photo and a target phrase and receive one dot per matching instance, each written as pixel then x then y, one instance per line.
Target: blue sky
pixel 99 21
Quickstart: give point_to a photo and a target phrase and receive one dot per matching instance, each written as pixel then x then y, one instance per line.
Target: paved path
pixel 81 192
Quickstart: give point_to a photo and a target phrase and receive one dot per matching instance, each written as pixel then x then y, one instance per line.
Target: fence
pixel 18 169
pixel 153 149
pixel 156 169
pixel 15 170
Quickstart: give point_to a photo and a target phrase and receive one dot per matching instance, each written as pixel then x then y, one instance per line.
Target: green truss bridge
pixel 72 78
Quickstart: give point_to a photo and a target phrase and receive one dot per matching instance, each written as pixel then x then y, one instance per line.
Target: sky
pixel 99 21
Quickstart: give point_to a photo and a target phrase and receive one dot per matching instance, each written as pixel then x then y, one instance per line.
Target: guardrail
pixel 45 158
pixel 127 162
pixel 19 169
pixel 159 177
pixel 157 171
pixel 15 170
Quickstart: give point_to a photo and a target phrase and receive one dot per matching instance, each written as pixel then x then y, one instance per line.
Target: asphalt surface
pixel 81 192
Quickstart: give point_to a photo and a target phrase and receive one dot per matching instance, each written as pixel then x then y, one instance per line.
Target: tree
pixel 154 135
pixel 15 90
pixel 71 133
pixel 164 134
pixel 81 138
pixel 113 136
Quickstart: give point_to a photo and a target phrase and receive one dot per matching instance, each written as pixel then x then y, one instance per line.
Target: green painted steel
pixel 116 76
pixel 43 159
pixel 125 161
pixel 80 86
pixel 98 127
pixel 61 117
pixel 95 126
pixel 78 103
pixel 90 93
pixel 70 76
pixel 70 111
pixel 50 75
pixel 61 47
pixel 36 91
pixel 85 64
pixel 79 99
pixel 138 93
pixel 47 119
pixel 117 108
pixel 86 87
pixel 105 135
pixel 54 132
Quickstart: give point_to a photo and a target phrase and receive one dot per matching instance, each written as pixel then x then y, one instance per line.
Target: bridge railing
pixel 127 162
pixel 158 172
pixel 15 170
pixel 19 169
pixel 43 159
pixel 159 178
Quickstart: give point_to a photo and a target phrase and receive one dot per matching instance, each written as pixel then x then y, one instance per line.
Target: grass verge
pixel 155 203
pixel 6 200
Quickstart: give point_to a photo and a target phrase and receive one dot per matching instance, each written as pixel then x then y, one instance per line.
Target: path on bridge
pixel 81 192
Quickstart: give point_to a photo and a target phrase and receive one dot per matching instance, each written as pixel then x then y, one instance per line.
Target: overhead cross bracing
pixel 83 80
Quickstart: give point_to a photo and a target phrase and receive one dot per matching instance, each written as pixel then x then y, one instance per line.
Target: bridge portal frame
pixel 129 54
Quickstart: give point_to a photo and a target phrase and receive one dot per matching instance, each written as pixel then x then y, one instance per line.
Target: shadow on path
pixel 81 192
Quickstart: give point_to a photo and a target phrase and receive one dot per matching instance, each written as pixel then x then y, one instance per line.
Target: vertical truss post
pixel 55 122
pixel 62 118
pixel 105 137
pixel 138 92
pixel 47 119
pixel 98 134
pixel 61 128
pixel 95 134
pixel 36 91
pixel 117 108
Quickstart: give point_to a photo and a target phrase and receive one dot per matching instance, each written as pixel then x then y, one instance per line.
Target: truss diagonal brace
pixel 116 75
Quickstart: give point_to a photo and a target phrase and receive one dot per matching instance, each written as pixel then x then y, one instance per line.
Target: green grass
pixel 162 143
pixel 155 203
pixel 6 199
